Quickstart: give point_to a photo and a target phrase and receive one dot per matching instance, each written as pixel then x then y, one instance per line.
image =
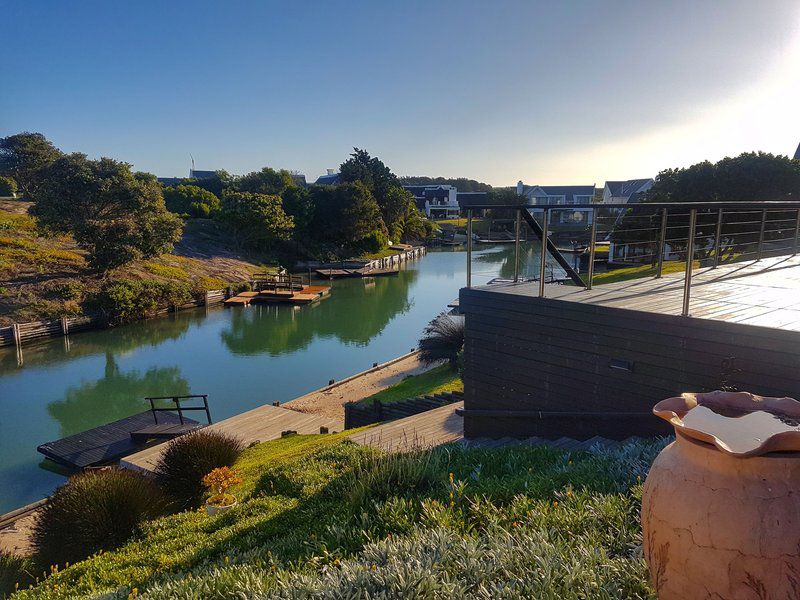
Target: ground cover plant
pixel 320 517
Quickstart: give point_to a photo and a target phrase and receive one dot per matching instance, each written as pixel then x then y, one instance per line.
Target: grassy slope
pixel 321 517
pixel 47 277
pixel 437 380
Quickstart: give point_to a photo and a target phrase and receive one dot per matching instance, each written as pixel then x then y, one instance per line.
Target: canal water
pixel 241 357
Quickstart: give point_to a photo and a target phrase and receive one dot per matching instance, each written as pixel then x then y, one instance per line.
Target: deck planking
pixel 762 293
pixel 107 443
pixel 257 425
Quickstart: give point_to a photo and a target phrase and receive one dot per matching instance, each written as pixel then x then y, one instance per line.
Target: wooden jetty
pixel 298 296
pixel 108 443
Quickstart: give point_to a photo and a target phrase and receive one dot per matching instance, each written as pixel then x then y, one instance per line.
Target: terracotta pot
pixel 720 511
pixel 213 509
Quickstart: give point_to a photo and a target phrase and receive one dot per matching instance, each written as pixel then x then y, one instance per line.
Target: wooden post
pixel 64 326
pixel 17 337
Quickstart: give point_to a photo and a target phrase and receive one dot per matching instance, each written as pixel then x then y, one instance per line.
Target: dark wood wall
pixel 550 368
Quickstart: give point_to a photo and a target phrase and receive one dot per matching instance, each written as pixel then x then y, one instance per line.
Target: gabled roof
pixel 327 179
pixel 627 188
pixel 202 174
pixel 471 198
pixel 797 153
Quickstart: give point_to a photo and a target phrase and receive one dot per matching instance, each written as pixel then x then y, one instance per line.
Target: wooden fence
pixel 24 333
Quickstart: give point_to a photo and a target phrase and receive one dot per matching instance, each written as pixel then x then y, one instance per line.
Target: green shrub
pixel 94 511
pixel 374 242
pixel 191 200
pixel 189 458
pixel 16 572
pixel 443 339
pixel 8 187
pixel 128 300
pixel 241 286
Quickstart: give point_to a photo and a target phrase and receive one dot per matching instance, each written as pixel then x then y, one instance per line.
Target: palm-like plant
pixel 442 339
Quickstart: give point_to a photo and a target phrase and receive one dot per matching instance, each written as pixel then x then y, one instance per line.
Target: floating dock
pixel 108 443
pixel 305 295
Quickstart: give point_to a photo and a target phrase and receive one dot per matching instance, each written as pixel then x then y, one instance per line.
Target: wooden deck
pixel 763 293
pixel 257 425
pixel 445 425
pixel 108 443
pixel 580 363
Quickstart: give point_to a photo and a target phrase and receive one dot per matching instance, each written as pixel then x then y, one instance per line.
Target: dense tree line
pixel 119 216
pixel 749 177
pixel 461 183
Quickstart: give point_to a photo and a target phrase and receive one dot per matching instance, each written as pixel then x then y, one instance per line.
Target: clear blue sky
pixel 559 92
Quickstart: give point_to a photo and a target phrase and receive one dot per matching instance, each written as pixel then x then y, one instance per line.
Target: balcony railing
pixel 743 230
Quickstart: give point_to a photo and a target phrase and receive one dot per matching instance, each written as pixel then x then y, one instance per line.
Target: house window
pixel 582 199
pixel 551 200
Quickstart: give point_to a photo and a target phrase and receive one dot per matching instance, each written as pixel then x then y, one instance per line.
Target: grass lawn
pixel 320 517
pixel 627 273
pixel 438 380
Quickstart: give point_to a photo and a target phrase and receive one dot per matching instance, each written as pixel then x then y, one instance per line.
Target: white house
pixel 561 195
pixel 437 201
pixel 626 192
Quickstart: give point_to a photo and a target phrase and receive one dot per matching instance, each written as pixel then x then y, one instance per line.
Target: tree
pixel 8 187
pixel 255 220
pixel 118 217
pixel 298 204
pixel 191 200
pixel 751 176
pixel 221 181
pixel 347 216
pixel 24 156
pixel 398 211
pixel 266 181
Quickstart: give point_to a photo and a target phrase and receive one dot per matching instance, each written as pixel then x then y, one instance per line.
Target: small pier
pixel 281 288
pixel 109 443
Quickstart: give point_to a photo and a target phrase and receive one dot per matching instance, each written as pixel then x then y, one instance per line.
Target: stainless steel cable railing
pixel 657 232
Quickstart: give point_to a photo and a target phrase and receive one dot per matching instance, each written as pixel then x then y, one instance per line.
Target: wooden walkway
pixel 763 293
pixel 257 425
pixel 108 443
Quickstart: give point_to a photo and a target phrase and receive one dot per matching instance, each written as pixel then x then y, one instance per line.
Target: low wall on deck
pixel 543 367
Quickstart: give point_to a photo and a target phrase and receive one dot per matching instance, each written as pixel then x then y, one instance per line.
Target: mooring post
pixel 687 279
pixel 17 336
pixel 64 326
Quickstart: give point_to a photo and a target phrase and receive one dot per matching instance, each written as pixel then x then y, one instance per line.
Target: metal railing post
pixel 718 239
pixel 469 247
pixel 687 278
pixel 543 257
pixel 796 232
pixel 662 241
pixel 761 234
pixel 592 244
pixel 516 245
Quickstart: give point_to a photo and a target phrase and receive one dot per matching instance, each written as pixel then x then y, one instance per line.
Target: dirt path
pixel 329 401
